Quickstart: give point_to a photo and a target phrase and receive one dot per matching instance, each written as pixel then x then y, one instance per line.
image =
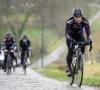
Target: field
pixel 91 73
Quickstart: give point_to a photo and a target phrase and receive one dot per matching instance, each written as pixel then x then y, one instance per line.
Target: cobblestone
pixel 33 81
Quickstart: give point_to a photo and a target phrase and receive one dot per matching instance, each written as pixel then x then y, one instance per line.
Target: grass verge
pixel 91 79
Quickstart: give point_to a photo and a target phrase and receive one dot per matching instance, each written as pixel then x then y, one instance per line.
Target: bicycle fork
pixel 74 61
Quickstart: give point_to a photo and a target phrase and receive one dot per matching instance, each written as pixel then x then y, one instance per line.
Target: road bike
pixel 77 65
pixel 25 61
pixel 9 62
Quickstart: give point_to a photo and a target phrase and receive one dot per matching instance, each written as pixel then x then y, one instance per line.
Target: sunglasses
pixel 78 16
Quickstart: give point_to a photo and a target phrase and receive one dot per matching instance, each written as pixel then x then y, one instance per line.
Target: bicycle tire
pixel 24 70
pixel 79 67
pixel 10 70
pixel 14 66
pixel 8 65
pixel 71 78
pixel 7 70
pixel 24 64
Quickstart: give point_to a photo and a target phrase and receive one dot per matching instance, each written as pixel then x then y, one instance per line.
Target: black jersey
pixel 24 45
pixel 9 43
pixel 73 28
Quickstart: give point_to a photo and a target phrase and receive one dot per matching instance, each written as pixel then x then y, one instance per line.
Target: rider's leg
pixel 16 60
pixel 22 57
pixel 28 57
pixel 81 39
pixel 69 57
pixel 12 56
pixel 5 61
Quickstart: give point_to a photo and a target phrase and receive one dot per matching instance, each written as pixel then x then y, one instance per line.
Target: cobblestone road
pixel 33 81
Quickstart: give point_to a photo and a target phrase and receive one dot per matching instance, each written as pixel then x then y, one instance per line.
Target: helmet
pixel 8 34
pixel 25 37
pixel 77 12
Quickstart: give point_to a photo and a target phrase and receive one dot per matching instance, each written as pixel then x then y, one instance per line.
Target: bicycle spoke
pixel 71 78
pixel 79 74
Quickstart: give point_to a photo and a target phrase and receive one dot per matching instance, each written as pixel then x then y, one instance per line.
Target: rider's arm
pixel 14 43
pixel 29 43
pixel 67 30
pixel 88 32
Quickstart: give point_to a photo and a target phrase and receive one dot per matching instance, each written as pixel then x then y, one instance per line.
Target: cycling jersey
pixel 73 29
pixel 24 45
pixel 9 43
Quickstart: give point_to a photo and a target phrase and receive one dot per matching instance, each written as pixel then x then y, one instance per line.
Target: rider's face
pixel 77 19
pixel 24 40
pixel 9 37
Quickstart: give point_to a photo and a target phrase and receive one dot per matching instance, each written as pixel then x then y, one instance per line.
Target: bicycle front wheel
pixel 71 78
pixel 79 70
pixel 25 65
pixel 8 65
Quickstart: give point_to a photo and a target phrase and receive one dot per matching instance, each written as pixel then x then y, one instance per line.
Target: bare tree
pixel 17 24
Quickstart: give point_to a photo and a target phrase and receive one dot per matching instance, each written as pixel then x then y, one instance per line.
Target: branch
pixel 20 31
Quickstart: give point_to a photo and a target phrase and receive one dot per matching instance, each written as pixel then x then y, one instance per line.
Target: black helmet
pixel 8 34
pixel 77 12
pixel 25 37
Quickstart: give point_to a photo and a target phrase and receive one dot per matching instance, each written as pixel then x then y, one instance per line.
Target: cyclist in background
pixel 24 45
pixel 74 32
pixel 9 43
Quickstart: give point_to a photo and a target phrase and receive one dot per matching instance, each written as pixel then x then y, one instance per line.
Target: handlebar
pixel 83 43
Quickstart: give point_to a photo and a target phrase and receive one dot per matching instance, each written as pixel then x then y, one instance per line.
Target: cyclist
pixel 9 43
pixel 24 45
pixel 74 32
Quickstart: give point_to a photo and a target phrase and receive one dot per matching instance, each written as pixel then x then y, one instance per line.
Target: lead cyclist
pixel 74 32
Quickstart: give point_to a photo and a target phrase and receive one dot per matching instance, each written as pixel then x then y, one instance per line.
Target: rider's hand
pixel 74 42
pixel 29 48
pixel 87 42
pixel 12 50
pixel 5 50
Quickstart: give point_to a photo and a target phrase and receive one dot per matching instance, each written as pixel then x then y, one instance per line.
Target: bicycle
pixel 9 62
pixel 15 62
pixel 25 62
pixel 77 65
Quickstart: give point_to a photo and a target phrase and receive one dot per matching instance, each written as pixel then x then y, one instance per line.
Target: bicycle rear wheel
pixel 79 68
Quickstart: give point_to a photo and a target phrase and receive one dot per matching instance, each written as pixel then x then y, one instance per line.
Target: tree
pixel 13 13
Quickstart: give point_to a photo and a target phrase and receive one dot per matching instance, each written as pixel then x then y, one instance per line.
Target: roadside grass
pixel 91 73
